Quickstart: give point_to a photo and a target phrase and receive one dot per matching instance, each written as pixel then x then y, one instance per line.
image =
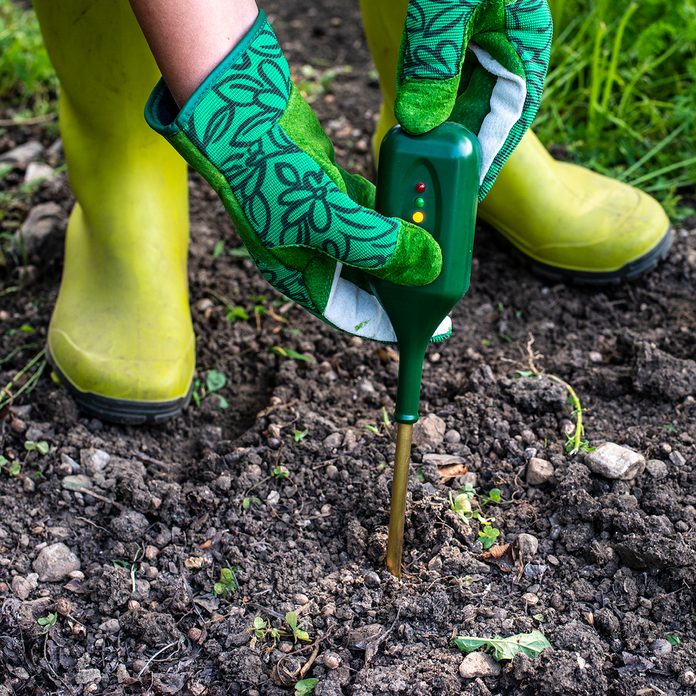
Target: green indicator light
pixel 420 202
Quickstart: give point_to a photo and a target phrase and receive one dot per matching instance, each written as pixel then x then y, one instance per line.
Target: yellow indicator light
pixel 418 217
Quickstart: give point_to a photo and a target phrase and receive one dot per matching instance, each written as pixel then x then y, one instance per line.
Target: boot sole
pixel 631 271
pixel 120 411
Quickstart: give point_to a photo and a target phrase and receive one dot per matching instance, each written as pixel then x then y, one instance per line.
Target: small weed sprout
pixel 299 435
pixel 673 639
pixel 264 631
pixel 47 622
pixel 13 468
pixel 306 687
pixel 248 502
pixel 576 442
pixel 280 472
pixel 227 584
pixel 291 619
pixel 214 382
pixel 41 447
pixel 469 507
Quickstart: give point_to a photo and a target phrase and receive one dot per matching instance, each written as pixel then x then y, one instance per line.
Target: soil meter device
pixel 432 180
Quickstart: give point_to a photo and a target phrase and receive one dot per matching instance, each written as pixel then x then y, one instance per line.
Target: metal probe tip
pixel 397 517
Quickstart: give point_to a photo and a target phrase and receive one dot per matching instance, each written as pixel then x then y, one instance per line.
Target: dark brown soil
pixel 615 563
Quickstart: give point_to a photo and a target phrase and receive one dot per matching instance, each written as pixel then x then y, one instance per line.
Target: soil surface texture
pixel 113 541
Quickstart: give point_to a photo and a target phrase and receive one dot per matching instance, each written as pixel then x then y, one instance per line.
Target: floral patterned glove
pixel 481 63
pixel 307 224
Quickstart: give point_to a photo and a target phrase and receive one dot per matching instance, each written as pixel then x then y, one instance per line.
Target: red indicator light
pixel 421 187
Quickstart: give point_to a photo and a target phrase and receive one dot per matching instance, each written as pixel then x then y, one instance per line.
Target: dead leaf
pixel 452 471
pixel 502 556
pixel 387 354
pixel 194 562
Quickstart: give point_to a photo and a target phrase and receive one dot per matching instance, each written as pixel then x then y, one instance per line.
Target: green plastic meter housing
pixel 433 181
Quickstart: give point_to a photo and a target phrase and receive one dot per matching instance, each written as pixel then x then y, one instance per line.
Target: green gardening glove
pixel 481 63
pixel 309 226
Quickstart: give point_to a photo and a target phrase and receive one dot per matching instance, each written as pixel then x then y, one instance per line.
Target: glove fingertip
pixel 422 105
pixel 417 259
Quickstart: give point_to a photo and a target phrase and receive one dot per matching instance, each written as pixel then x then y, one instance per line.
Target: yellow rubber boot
pixel 569 222
pixel 121 337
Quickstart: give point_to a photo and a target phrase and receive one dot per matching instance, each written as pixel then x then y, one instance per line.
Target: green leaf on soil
pixel 306 687
pixel 223 404
pixel 215 380
pixel 291 354
pixel 281 472
pixel 300 435
pixel 529 644
pixel 495 495
pixel 227 583
pixel 237 314
pixel 488 536
pixel 673 639
pixel 238 253
pixel 41 447
pixel 47 622
pixel 218 248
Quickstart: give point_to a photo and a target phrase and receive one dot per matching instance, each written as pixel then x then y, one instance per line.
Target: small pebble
pixel 429 431
pixel 478 664
pixel 333 441
pixel 88 676
pixel 530 599
pixel 539 471
pixel 110 626
pixel 527 546
pixel 372 580
pixel 613 461
pixel 657 468
pixel 453 437
pixel 301 599
pixel 55 562
pixel 21 155
pixel 63 606
pixel 332 472
pixel 661 647
pixel 677 458
pixel 331 660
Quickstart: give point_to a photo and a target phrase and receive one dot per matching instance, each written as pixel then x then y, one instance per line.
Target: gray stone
pixel 361 637
pixel 677 458
pixel 22 586
pixel 478 664
pixel 527 546
pixel 657 468
pixel 110 626
pixel 331 660
pixel 332 472
pixel 88 676
pixel 130 525
pixel 55 562
pixel 94 460
pixel 661 647
pixel 442 459
pixel 43 222
pixel 616 462
pixel 453 437
pixel 372 580
pixel 21 155
pixel 539 471
pixel 333 441
pixel 76 483
pixel 38 171
pixel 429 431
